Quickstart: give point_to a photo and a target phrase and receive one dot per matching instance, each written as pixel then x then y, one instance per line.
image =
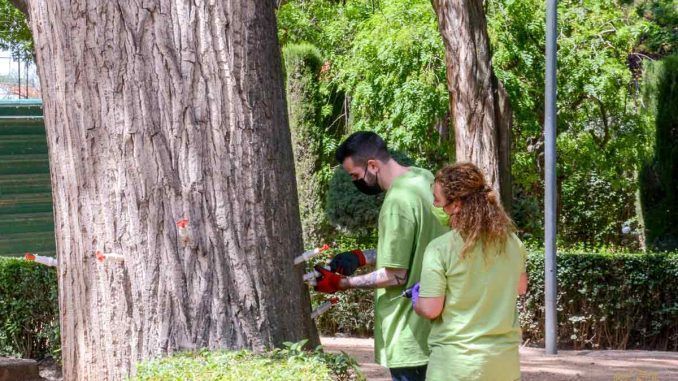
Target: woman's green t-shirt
pixel 478 333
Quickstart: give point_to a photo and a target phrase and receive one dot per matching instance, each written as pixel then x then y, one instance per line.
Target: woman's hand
pixel 522 284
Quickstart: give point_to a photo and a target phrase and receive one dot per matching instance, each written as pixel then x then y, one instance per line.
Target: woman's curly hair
pixel 481 215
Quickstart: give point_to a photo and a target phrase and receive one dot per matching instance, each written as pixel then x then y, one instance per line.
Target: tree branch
pixel 21 5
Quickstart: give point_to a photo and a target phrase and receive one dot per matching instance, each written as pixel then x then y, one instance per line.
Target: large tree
pixel 479 105
pixel 160 112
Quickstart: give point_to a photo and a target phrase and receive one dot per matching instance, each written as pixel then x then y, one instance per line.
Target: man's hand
pixel 328 282
pixel 348 262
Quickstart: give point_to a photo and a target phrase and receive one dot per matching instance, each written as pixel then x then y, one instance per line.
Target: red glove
pixel 328 282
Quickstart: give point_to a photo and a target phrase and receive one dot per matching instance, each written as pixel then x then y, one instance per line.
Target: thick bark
pixel 481 113
pixel 159 111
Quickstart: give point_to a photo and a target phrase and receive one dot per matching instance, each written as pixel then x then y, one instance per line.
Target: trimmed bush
pixel 302 66
pixel 607 301
pixel 29 310
pixel 288 364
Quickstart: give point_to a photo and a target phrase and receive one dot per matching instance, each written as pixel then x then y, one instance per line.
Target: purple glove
pixel 415 294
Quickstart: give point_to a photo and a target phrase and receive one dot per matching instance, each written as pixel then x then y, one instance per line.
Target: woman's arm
pixel 522 284
pixel 429 308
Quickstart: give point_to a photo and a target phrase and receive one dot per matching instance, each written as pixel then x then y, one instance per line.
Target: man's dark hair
pixel 362 146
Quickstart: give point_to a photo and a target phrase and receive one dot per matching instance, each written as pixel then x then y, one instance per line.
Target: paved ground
pixel 535 366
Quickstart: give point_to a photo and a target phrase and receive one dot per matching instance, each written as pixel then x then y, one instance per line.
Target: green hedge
pixel 29 312
pixel 615 301
pixel 288 364
pixel 302 67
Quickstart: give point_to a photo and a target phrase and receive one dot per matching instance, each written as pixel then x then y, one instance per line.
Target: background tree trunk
pixel 157 112
pixel 481 113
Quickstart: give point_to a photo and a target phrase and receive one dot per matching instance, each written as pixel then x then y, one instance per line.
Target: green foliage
pixel 386 59
pixel 15 35
pixel 342 367
pixel 607 301
pixel 29 311
pixel 302 55
pixel 395 74
pixel 302 66
pixel 603 133
pixel 289 363
pixel 659 178
pixel 659 35
pixel 389 58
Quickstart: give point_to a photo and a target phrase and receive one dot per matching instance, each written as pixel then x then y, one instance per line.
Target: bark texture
pixel 158 111
pixel 481 113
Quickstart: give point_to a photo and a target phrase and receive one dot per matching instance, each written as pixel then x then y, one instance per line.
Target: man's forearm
pixel 376 279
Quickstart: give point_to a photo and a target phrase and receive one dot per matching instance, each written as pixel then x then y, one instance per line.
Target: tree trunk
pixel 481 113
pixel 159 112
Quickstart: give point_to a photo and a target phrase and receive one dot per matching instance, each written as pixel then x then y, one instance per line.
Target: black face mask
pixel 365 187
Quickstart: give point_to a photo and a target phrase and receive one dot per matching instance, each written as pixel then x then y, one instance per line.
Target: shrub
pixel 289 363
pixel 658 178
pixel 615 301
pixel 302 66
pixel 29 310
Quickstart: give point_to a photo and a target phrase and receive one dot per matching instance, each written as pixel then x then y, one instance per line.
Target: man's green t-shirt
pixel 478 333
pixel 406 225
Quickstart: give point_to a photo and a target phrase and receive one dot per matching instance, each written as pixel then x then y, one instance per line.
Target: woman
pixel 470 280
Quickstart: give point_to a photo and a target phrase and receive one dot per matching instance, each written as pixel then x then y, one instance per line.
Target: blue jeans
pixel 417 373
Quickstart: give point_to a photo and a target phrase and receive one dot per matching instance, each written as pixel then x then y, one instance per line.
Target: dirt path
pixel 535 366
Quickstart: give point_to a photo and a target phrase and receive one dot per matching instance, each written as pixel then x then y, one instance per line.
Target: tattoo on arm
pixel 379 279
pixel 400 279
pixel 364 281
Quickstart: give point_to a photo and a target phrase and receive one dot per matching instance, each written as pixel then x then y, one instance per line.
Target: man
pixel 406 225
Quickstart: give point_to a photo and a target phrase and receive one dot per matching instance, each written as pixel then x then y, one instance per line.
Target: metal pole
pixel 19 76
pixel 26 72
pixel 550 280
